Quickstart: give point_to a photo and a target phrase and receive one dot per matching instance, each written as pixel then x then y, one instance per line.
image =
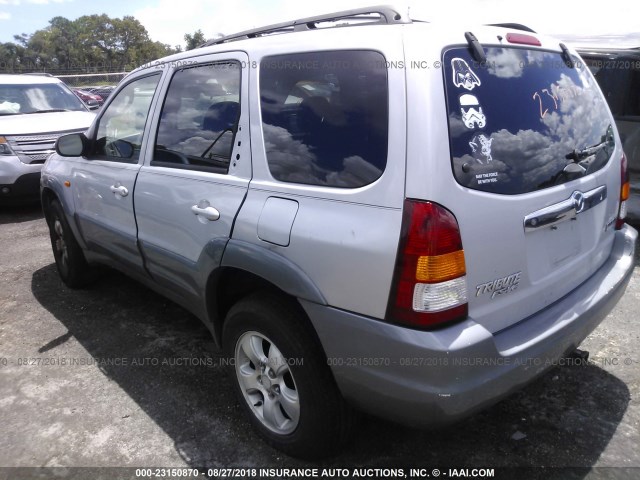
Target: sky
pixel 614 22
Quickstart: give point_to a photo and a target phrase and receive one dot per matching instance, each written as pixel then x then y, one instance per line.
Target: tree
pixel 22 39
pixel 63 40
pixel 195 40
pixel 90 43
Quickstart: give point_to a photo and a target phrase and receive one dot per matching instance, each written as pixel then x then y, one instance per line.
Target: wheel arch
pixel 246 269
pixel 47 196
pixel 52 189
pixel 52 192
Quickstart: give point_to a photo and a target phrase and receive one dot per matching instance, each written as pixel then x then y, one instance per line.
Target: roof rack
pixel 382 14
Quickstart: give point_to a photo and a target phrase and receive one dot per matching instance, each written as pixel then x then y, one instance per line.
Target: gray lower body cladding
pixel 430 378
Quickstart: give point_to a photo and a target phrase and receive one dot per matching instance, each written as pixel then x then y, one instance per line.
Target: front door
pixel 189 192
pixel 103 182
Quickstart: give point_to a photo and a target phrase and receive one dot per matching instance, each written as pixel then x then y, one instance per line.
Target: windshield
pixel 523 121
pixel 34 98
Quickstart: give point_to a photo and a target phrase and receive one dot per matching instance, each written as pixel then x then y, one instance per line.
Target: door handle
pixel 209 212
pixel 567 209
pixel 119 190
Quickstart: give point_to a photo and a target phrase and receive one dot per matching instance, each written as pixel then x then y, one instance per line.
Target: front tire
pixel 281 377
pixel 70 262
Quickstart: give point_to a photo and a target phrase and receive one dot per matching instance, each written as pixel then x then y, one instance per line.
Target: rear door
pixel 533 176
pixel 189 192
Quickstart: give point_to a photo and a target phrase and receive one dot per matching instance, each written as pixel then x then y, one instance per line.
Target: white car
pixel 34 112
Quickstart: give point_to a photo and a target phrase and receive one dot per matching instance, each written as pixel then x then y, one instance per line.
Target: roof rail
pixel 381 14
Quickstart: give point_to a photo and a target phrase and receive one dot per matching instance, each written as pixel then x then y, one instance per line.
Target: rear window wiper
pixel 578 155
pixel 476 48
pixel 566 56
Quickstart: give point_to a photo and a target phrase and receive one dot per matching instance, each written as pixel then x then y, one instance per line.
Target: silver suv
pixel 34 111
pixel 411 220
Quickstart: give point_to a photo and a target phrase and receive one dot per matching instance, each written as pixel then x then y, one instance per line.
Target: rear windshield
pixel 523 121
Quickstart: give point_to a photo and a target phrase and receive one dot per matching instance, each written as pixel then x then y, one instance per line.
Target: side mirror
pixel 72 145
pixel 122 148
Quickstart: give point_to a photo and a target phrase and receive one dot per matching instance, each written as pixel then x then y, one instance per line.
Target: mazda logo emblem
pixel 578 201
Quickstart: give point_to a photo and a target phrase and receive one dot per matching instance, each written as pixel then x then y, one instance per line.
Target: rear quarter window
pixel 523 121
pixel 325 117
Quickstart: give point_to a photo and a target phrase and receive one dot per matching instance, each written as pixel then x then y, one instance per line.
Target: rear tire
pixel 281 377
pixel 70 262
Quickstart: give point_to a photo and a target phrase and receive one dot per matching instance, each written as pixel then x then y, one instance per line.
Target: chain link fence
pixel 87 80
pixel 75 79
pixel 75 75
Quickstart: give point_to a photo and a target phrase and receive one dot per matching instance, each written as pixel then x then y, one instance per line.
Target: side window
pixel 119 136
pixel 325 117
pixel 199 118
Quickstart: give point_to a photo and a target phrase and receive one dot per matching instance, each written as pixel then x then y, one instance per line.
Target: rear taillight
pixel 624 192
pixel 429 285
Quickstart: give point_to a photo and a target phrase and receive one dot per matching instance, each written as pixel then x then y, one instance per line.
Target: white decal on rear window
pixel 463 76
pixel 481 148
pixel 471 112
pixel 490 177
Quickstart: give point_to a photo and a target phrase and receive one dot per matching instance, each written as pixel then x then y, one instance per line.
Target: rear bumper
pixel 430 378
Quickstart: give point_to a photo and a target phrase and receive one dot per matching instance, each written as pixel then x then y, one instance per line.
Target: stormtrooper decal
pixel 471 111
pixel 463 76
pixel 481 148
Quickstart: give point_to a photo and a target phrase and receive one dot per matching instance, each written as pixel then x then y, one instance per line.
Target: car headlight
pixel 5 149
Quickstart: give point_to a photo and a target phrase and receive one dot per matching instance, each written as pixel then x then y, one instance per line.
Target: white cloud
pixel 47 2
pixel 504 63
pixel 36 2
pixel 5 16
pixel 628 40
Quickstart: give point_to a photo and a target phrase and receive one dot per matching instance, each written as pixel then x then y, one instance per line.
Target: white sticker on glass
pixel 481 148
pixel 463 76
pixel 472 115
pixel 487 177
